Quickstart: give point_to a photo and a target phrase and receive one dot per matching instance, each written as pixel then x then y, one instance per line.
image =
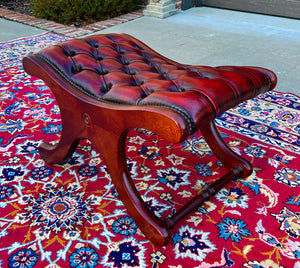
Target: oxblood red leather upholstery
pixel 121 69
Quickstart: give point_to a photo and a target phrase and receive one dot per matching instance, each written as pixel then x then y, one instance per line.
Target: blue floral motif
pixel 11 126
pixel 244 111
pixel 294 200
pixel 73 160
pixel 28 147
pixel 125 226
pixel 289 222
pixel 173 177
pixel 88 171
pixel 145 131
pixel 281 159
pixel 42 88
pixel 274 124
pixel 203 170
pixel 288 117
pixel 253 183
pixel 155 206
pixel 41 172
pixel 10 173
pixel 24 258
pixel 57 209
pixel 52 129
pixel 233 198
pixel 224 135
pixel 14 108
pixel 115 193
pixel 32 95
pixel 259 128
pixel 233 229
pixel 84 257
pixel 6 191
pixel 256 151
pixel 7 95
pixel 219 163
pixel 256 107
pixel 127 255
pixel 190 243
pixel 197 146
pixel 149 152
pixel 55 109
pixel 45 100
pixel 290 177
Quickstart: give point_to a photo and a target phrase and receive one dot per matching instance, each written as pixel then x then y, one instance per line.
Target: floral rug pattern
pixel 69 215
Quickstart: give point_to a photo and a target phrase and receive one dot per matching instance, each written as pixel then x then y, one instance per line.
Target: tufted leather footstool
pixel 107 84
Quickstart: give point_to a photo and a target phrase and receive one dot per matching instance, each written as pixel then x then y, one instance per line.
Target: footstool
pixel 109 83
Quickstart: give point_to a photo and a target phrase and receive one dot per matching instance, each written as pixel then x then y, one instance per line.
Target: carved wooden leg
pixel 228 158
pixel 56 154
pixel 236 165
pixel 112 150
pixel 73 131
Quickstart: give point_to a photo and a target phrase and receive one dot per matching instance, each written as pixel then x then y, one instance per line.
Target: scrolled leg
pixel 112 150
pixel 73 131
pixel 56 154
pixel 221 150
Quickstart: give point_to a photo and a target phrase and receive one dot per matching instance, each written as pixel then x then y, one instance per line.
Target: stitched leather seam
pixel 181 111
pixel 269 80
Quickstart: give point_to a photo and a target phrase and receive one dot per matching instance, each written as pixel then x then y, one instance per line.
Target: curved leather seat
pixel 120 69
pixel 107 84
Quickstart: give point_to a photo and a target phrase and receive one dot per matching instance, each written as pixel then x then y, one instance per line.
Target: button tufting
pixel 72 53
pixel 76 68
pixel 128 72
pixel 109 86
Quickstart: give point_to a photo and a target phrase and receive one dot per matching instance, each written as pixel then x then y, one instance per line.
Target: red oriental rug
pixel 69 215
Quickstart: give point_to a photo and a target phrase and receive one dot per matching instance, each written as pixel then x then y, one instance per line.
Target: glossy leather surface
pixel 118 68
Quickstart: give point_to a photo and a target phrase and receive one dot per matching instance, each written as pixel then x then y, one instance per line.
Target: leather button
pixel 72 53
pixel 76 68
pixel 109 86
